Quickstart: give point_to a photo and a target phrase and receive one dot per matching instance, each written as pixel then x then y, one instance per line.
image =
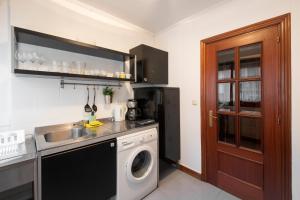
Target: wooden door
pixel 242 111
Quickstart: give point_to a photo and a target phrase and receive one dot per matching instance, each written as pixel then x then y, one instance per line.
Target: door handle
pixel 211 118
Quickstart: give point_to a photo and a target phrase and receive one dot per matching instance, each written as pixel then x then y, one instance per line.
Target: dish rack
pixel 10 143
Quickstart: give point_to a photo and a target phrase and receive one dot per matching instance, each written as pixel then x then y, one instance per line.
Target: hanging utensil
pixel 87 107
pixel 94 107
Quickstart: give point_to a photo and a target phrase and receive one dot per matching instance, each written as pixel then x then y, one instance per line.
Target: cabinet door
pixel 152 65
pixel 155 66
pixel 172 123
pixel 84 173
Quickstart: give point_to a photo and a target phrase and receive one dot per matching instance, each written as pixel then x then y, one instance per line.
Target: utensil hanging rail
pixel 63 83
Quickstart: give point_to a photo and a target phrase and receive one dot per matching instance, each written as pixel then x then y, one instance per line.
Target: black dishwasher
pixel 86 173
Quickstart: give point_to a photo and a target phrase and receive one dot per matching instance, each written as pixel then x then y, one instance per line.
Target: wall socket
pixel 194 102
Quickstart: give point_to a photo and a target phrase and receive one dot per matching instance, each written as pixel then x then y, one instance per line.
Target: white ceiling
pixel 152 15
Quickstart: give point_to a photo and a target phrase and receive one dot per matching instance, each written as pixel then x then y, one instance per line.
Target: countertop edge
pixel 32 155
pixel 53 150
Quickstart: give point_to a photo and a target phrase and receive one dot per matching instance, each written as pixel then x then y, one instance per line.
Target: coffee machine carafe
pixel 133 111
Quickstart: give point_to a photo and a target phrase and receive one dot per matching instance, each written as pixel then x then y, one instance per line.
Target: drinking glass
pixel 19 55
pixel 41 60
pixel 66 67
pixel 56 66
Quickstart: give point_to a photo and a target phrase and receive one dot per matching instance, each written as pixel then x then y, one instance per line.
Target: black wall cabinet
pixel 152 65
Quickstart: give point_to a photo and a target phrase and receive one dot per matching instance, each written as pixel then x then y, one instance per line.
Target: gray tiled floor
pixel 177 185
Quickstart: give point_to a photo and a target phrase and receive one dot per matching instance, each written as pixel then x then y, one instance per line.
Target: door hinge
pixel 278 39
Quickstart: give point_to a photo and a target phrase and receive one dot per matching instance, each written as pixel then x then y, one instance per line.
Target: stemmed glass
pixel 21 58
pixel 30 60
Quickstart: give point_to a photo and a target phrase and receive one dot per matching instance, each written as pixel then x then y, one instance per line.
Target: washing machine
pixel 137 165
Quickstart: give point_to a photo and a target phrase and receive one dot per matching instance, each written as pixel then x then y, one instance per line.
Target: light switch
pixel 194 102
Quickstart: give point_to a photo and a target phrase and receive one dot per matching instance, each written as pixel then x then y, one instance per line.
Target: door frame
pixel 285 89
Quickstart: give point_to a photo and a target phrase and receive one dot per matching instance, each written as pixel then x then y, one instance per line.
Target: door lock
pixel 211 118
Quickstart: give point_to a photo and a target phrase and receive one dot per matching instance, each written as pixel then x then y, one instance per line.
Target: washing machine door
pixel 140 164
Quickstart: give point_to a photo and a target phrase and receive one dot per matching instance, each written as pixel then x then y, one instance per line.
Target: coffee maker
pixel 133 111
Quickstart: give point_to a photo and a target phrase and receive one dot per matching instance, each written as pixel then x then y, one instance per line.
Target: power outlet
pixel 194 102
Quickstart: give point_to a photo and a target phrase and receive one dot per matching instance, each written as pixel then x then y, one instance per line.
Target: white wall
pixel 32 102
pixel 5 86
pixel 295 98
pixel 182 41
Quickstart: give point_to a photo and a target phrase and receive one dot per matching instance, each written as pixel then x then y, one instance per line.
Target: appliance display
pixel 151 65
pixel 133 111
pixel 84 173
pixel 162 104
pixel 137 165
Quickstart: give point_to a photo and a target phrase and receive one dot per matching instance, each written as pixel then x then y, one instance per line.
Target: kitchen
pixel 74 28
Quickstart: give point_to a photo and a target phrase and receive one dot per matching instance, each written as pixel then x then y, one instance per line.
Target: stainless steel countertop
pixel 107 131
pixel 24 152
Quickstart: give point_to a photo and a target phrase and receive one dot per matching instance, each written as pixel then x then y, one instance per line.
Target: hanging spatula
pixel 94 107
pixel 87 107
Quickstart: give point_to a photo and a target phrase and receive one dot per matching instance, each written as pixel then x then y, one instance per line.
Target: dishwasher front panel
pixel 84 173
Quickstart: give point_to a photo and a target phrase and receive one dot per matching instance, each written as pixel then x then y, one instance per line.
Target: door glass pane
pixel 226 97
pixel 226 124
pixel 250 96
pixel 226 64
pixel 250 61
pixel 251 131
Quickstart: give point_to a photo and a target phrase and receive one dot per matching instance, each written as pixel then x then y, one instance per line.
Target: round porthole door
pixel 140 164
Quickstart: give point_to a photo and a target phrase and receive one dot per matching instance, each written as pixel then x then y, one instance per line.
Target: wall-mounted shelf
pixel 67 75
pixel 54 42
pixel 66 47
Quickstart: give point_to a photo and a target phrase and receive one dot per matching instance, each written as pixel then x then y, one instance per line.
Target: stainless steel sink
pixel 74 133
